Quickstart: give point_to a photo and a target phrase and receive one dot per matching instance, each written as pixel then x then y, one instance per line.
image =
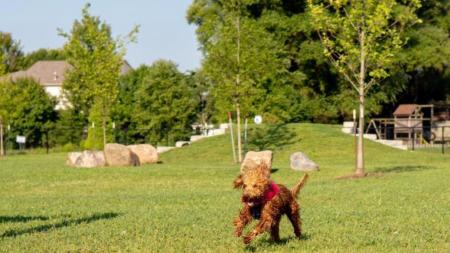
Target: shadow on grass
pixel 65 223
pixel 266 242
pixel 403 168
pixel 269 137
pixel 21 218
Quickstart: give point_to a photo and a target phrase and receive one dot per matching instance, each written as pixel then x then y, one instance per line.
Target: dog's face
pixel 254 184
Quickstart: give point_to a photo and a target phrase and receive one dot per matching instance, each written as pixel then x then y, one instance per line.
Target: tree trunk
pixel 362 81
pixel 104 130
pixel 238 83
pixel 239 142
pixel 2 151
pixel 360 149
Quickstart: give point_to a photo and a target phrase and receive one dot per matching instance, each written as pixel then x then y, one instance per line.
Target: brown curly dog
pixel 266 201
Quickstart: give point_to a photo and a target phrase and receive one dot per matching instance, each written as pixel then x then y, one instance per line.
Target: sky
pixel 164 31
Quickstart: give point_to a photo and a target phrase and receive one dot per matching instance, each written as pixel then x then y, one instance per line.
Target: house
pixel 50 74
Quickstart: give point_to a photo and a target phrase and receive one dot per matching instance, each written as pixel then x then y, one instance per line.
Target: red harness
pixel 271 192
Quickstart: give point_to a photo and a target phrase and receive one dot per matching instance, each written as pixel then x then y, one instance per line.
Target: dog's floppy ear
pixel 238 182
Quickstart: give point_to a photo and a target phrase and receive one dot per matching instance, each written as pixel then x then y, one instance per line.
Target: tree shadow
pixel 65 223
pixel 271 137
pixel 21 218
pixel 402 168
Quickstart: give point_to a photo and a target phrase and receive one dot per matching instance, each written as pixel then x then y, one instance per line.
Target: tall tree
pixel 165 104
pixel 240 56
pixel 10 53
pixel 92 85
pixel 361 39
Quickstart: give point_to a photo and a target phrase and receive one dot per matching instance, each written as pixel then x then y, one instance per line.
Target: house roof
pixel 52 72
pixel 405 110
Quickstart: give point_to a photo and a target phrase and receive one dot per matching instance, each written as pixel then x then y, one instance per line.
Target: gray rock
pixel 86 159
pixel 254 159
pixel 120 155
pixel 301 162
pixel 146 153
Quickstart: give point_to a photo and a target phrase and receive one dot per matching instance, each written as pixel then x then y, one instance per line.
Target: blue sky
pixel 164 31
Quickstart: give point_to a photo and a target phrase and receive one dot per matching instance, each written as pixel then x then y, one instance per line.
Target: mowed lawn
pixel 187 204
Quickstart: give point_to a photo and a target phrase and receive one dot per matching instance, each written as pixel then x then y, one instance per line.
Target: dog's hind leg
pixel 294 217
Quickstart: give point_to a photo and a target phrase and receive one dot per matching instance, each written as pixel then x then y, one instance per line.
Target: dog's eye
pixel 245 186
pixel 254 185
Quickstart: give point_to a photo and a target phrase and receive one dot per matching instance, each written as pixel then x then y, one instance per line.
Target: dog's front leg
pixel 242 220
pixel 263 226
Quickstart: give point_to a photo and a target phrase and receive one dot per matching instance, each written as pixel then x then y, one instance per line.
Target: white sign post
pixel 21 140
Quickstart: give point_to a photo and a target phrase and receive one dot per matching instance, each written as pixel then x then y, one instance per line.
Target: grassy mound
pixel 186 204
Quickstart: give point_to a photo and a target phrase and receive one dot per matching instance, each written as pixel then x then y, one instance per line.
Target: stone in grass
pixel 86 159
pixel 300 162
pixel 120 155
pixel 254 159
pixel 146 153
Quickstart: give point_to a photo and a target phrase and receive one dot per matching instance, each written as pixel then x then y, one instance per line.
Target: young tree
pixel 361 39
pixel 165 104
pixel 240 56
pixel 92 85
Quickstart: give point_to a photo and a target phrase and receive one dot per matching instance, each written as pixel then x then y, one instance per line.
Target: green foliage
pixel 270 137
pixel 241 56
pixel 165 108
pixel 27 109
pixel 123 111
pixel 10 53
pixel 165 105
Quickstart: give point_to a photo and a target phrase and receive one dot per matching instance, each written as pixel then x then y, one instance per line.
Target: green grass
pixel 186 204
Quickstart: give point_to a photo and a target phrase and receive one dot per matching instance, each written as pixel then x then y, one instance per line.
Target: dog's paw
pixel 238 233
pixel 247 239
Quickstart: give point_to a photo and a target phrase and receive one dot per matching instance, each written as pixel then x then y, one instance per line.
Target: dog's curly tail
pixel 296 189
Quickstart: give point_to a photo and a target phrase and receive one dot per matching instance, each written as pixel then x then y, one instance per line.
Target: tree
pixel 361 39
pixel 92 85
pixel 26 107
pixel 165 104
pixel 240 56
pixel 10 53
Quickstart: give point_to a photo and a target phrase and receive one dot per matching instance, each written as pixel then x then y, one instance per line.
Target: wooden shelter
pixel 408 121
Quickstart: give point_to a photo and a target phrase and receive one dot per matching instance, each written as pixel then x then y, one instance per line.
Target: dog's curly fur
pixel 254 184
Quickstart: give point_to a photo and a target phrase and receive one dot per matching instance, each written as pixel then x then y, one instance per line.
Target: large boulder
pixel 299 161
pixel 146 153
pixel 254 159
pixel 120 155
pixel 86 159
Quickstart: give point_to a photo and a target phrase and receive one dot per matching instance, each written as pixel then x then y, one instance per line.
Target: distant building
pixel 50 74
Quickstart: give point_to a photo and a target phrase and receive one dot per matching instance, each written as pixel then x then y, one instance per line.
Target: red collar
pixel 271 192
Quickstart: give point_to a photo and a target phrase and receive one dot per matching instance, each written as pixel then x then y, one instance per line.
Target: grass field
pixel 186 204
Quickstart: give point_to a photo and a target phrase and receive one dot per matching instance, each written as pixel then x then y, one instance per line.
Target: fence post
pixel 47 145
pixel 414 138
